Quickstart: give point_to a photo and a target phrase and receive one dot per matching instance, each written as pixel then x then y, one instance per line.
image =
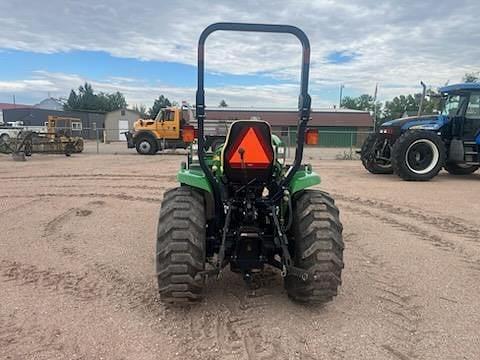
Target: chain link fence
pixel 331 144
pixel 341 145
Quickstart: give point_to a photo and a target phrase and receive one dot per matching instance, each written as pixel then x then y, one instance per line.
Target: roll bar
pixel 304 100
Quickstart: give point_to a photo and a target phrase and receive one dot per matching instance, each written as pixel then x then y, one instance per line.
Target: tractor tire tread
pixel 180 255
pixel 368 164
pixel 318 247
pixel 454 169
pixel 153 144
pixel 400 147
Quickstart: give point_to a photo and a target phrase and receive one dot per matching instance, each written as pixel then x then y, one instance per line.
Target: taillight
pixel 250 151
pixel 311 137
pixel 188 134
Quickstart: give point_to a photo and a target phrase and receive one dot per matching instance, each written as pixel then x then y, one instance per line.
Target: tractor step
pixel 471 152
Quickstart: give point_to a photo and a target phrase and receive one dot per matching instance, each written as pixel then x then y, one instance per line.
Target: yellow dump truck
pixel 167 131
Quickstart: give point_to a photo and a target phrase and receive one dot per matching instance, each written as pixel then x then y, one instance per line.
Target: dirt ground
pixel 77 270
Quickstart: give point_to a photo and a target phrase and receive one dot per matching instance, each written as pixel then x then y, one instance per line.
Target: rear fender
pixel 194 178
pixel 198 180
pixel 303 179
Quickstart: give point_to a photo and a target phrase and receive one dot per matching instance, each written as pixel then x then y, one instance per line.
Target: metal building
pixel 38 117
pixel 338 127
pixel 117 122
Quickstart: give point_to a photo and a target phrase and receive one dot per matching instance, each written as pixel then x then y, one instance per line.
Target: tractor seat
pixel 248 155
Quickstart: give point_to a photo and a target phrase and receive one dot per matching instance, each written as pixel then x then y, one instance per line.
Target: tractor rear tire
pixel 418 155
pixel 78 146
pixel 369 161
pixel 69 149
pixel 180 254
pixel 28 148
pixel 460 169
pixel 318 248
pixel 146 145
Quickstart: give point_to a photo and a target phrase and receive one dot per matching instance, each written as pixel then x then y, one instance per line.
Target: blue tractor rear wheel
pixel 418 155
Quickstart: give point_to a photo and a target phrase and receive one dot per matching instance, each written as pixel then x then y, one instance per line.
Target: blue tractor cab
pixel 418 147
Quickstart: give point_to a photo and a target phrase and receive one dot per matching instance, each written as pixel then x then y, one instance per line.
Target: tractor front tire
pixel 460 169
pixel 146 145
pixel 418 155
pixel 180 254
pixel 318 248
pixel 369 161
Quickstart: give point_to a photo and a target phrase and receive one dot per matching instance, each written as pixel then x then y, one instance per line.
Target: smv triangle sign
pixel 252 151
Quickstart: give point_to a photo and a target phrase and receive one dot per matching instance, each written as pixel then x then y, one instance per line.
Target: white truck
pixel 11 129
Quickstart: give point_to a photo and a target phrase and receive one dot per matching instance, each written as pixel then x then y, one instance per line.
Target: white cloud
pixel 398 43
pixel 140 92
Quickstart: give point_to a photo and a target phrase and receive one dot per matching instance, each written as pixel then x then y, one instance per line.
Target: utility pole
pixel 341 94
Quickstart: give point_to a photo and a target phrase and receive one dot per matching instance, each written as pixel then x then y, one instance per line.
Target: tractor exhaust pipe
pixel 304 100
pixel 424 91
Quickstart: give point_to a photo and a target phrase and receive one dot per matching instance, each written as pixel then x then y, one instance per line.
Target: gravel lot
pixel 77 270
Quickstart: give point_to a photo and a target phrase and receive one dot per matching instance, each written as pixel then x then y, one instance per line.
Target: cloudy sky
pixel 145 48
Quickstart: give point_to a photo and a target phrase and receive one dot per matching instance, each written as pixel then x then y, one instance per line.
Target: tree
pixel 223 104
pixel 73 101
pixel 472 77
pixel 110 102
pixel 86 99
pixel 432 102
pixel 160 103
pixel 363 102
pixel 395 108
pixel 349 102
pixel 115 101
pixel 142 109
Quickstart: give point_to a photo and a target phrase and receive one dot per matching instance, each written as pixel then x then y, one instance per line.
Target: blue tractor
pixel 417 148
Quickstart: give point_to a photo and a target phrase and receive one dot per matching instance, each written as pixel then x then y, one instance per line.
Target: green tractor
pixel 242 206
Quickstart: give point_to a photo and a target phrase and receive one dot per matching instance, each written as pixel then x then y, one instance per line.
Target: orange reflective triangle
pixel 254 154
